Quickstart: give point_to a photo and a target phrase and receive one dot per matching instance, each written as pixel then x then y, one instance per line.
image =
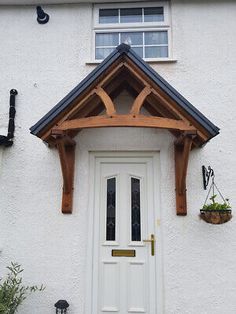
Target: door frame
pixel 94 156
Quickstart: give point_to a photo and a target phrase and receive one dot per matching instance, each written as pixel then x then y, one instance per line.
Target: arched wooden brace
pixel 66 150
pixel 182 149
pixel 106 99
pixel 139 100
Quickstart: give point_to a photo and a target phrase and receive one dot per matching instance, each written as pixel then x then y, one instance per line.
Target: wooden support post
pixel 66 150
pixel 182 150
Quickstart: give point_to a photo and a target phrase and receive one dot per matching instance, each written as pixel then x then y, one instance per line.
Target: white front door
pixel 124 274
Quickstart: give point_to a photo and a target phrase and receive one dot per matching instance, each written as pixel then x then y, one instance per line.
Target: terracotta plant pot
pixel 216 217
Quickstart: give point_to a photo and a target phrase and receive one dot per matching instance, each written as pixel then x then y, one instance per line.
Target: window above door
pixel 144 26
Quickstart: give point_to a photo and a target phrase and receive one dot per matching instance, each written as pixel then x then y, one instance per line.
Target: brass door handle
pixel 152 241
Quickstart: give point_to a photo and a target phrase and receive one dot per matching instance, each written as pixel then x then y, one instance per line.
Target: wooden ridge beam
pixel 182 151
pixel 125 121
pixel 66 149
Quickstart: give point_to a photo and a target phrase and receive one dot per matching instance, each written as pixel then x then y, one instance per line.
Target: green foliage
pixel 12 291
pixel 217 206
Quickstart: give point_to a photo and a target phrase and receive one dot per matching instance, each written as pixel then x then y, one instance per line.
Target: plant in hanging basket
pixel 216 213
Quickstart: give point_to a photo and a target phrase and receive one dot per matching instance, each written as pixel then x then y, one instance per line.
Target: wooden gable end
pixel 164 112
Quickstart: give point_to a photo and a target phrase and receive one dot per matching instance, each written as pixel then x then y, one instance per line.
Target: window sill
pixel 169 60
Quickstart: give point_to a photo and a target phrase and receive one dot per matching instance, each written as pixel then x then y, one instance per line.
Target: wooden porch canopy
pixel 82 108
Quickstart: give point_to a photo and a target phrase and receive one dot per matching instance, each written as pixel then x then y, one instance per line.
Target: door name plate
pixel 127 253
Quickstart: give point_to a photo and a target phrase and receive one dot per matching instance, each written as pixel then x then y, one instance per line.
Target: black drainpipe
pixel 8 140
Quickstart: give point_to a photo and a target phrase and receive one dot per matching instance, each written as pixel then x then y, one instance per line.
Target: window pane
pixel 139 51
pixel 156 52
pixel 135 209
pixel 156 38
pixel 135 38
pixel 108 16
pixel 111 210
pixel 153 14
pixel 133 15
pixel 102 53
pixel 107 39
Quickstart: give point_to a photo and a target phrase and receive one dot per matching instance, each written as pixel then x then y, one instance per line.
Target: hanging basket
pixel 216 217
pixel 215 213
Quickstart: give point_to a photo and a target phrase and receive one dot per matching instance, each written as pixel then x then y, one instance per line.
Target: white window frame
pixel 133 27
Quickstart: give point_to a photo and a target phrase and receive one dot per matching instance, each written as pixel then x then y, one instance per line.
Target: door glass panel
pixel 135 210
pixel 111 210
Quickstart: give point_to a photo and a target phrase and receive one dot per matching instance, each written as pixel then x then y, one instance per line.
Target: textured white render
pixel 44 62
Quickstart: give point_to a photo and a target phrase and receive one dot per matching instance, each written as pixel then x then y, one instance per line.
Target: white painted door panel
pixel 123 217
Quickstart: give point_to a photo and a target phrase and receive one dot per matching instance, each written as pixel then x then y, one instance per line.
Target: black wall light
pixel 61 306
pixel 8 140
pixel 42 17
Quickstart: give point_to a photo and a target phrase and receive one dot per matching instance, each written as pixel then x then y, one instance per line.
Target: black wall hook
pixel 43 17
pixel 8 140
pixel 207 173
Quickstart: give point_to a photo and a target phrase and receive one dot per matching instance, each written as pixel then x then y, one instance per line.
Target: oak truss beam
pixel 183 147
pixel 99 91
pixel 138 102
pixel 107 101
pixel 126 120
pixel 66 149
pixel 164 99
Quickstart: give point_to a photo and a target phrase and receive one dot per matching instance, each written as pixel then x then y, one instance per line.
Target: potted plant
pixel 12 291
pixel 216 213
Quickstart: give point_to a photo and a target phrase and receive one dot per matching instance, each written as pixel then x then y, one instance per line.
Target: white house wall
pixel 44 62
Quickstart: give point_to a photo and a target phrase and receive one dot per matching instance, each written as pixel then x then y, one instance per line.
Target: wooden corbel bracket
pixel 183 147
pixel 66 149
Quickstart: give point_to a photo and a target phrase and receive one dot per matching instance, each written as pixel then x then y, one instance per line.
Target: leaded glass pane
pixel 108 16
pixel 133 15
pixel 135 210
pixel 111 210
pixel 154 14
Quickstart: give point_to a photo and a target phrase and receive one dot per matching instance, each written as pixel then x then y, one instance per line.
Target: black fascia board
pixel 148 70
